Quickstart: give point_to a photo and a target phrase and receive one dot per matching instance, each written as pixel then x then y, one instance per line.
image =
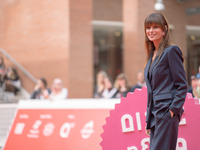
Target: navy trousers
pixel 163 136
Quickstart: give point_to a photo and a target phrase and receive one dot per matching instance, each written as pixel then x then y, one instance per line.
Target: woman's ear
pixel 166 27
pixel 165 30
pixel 163 33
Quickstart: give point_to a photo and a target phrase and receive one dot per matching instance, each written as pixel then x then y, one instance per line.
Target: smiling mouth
pixel 151 35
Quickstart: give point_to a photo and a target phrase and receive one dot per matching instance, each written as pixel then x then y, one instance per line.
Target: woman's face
pixel 10 72
pixel 100 78
pixel 40 84
pixel 121 82
pixel 154 33
pixel 108 84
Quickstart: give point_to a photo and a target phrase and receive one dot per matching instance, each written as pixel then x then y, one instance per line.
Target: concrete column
pixel 178 20
pixel 134 13
pixel 80 75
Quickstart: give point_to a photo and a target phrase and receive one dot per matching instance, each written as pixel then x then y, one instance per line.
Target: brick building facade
pixel 73 39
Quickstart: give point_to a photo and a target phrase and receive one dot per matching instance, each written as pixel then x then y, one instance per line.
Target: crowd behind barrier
pixel 11 90
pixel 56 92
pixel 11 87
pixel 194 88
pixel 105 88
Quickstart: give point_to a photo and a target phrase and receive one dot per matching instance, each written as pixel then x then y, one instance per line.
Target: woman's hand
pixel 147 132
pixel 37 87
pixel 100 88
pixel 171 112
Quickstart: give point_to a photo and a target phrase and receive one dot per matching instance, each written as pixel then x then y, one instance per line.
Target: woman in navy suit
pixel 166 84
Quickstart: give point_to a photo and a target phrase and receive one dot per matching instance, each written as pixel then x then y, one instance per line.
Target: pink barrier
pixel 77 125
pixel 68 125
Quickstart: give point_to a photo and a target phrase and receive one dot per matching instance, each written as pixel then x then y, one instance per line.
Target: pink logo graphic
pixel 87 130
pixel 125 127
pixel 66 129
pixel 34 132
pixel 48 129
pixel 19 128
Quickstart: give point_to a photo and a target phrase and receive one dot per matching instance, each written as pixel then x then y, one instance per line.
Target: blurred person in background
pixel 109 91
pixel 198 88
pixel 2 70
pixel 140 82
pixel 122 85
pixel 100 84
pixel 2 65
pixel 198 74
pixel 41 90
pixel 193 88
pixel 12 81
pixel 58 92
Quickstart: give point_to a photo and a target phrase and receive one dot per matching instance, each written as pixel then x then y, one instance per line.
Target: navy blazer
pixel 166 85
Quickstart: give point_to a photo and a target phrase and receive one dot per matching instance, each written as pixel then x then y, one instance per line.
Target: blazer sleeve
pixel 179 78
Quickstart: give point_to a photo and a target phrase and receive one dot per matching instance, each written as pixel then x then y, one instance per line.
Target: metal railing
pixel 18 65
pixel 7 115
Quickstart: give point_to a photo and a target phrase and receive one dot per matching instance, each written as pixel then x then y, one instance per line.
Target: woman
pixel 12 81
pixel 58 92
pixel 122 84
pixel 166 84
pixel 109 91
pixel 100 84
pixel 41 91
pixel 2 65
pixel 140 81
pixel 198 88
pixel 2 70
pixel 193 88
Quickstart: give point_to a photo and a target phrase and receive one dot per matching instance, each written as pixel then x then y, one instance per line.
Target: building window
pixel 193 46
pixel 108 49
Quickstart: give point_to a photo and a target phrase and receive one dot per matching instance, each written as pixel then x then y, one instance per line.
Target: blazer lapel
pixel 154 63
pixel 152 66
pixel 146 72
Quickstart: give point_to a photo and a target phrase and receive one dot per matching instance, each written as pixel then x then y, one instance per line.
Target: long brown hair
pixel 160 20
